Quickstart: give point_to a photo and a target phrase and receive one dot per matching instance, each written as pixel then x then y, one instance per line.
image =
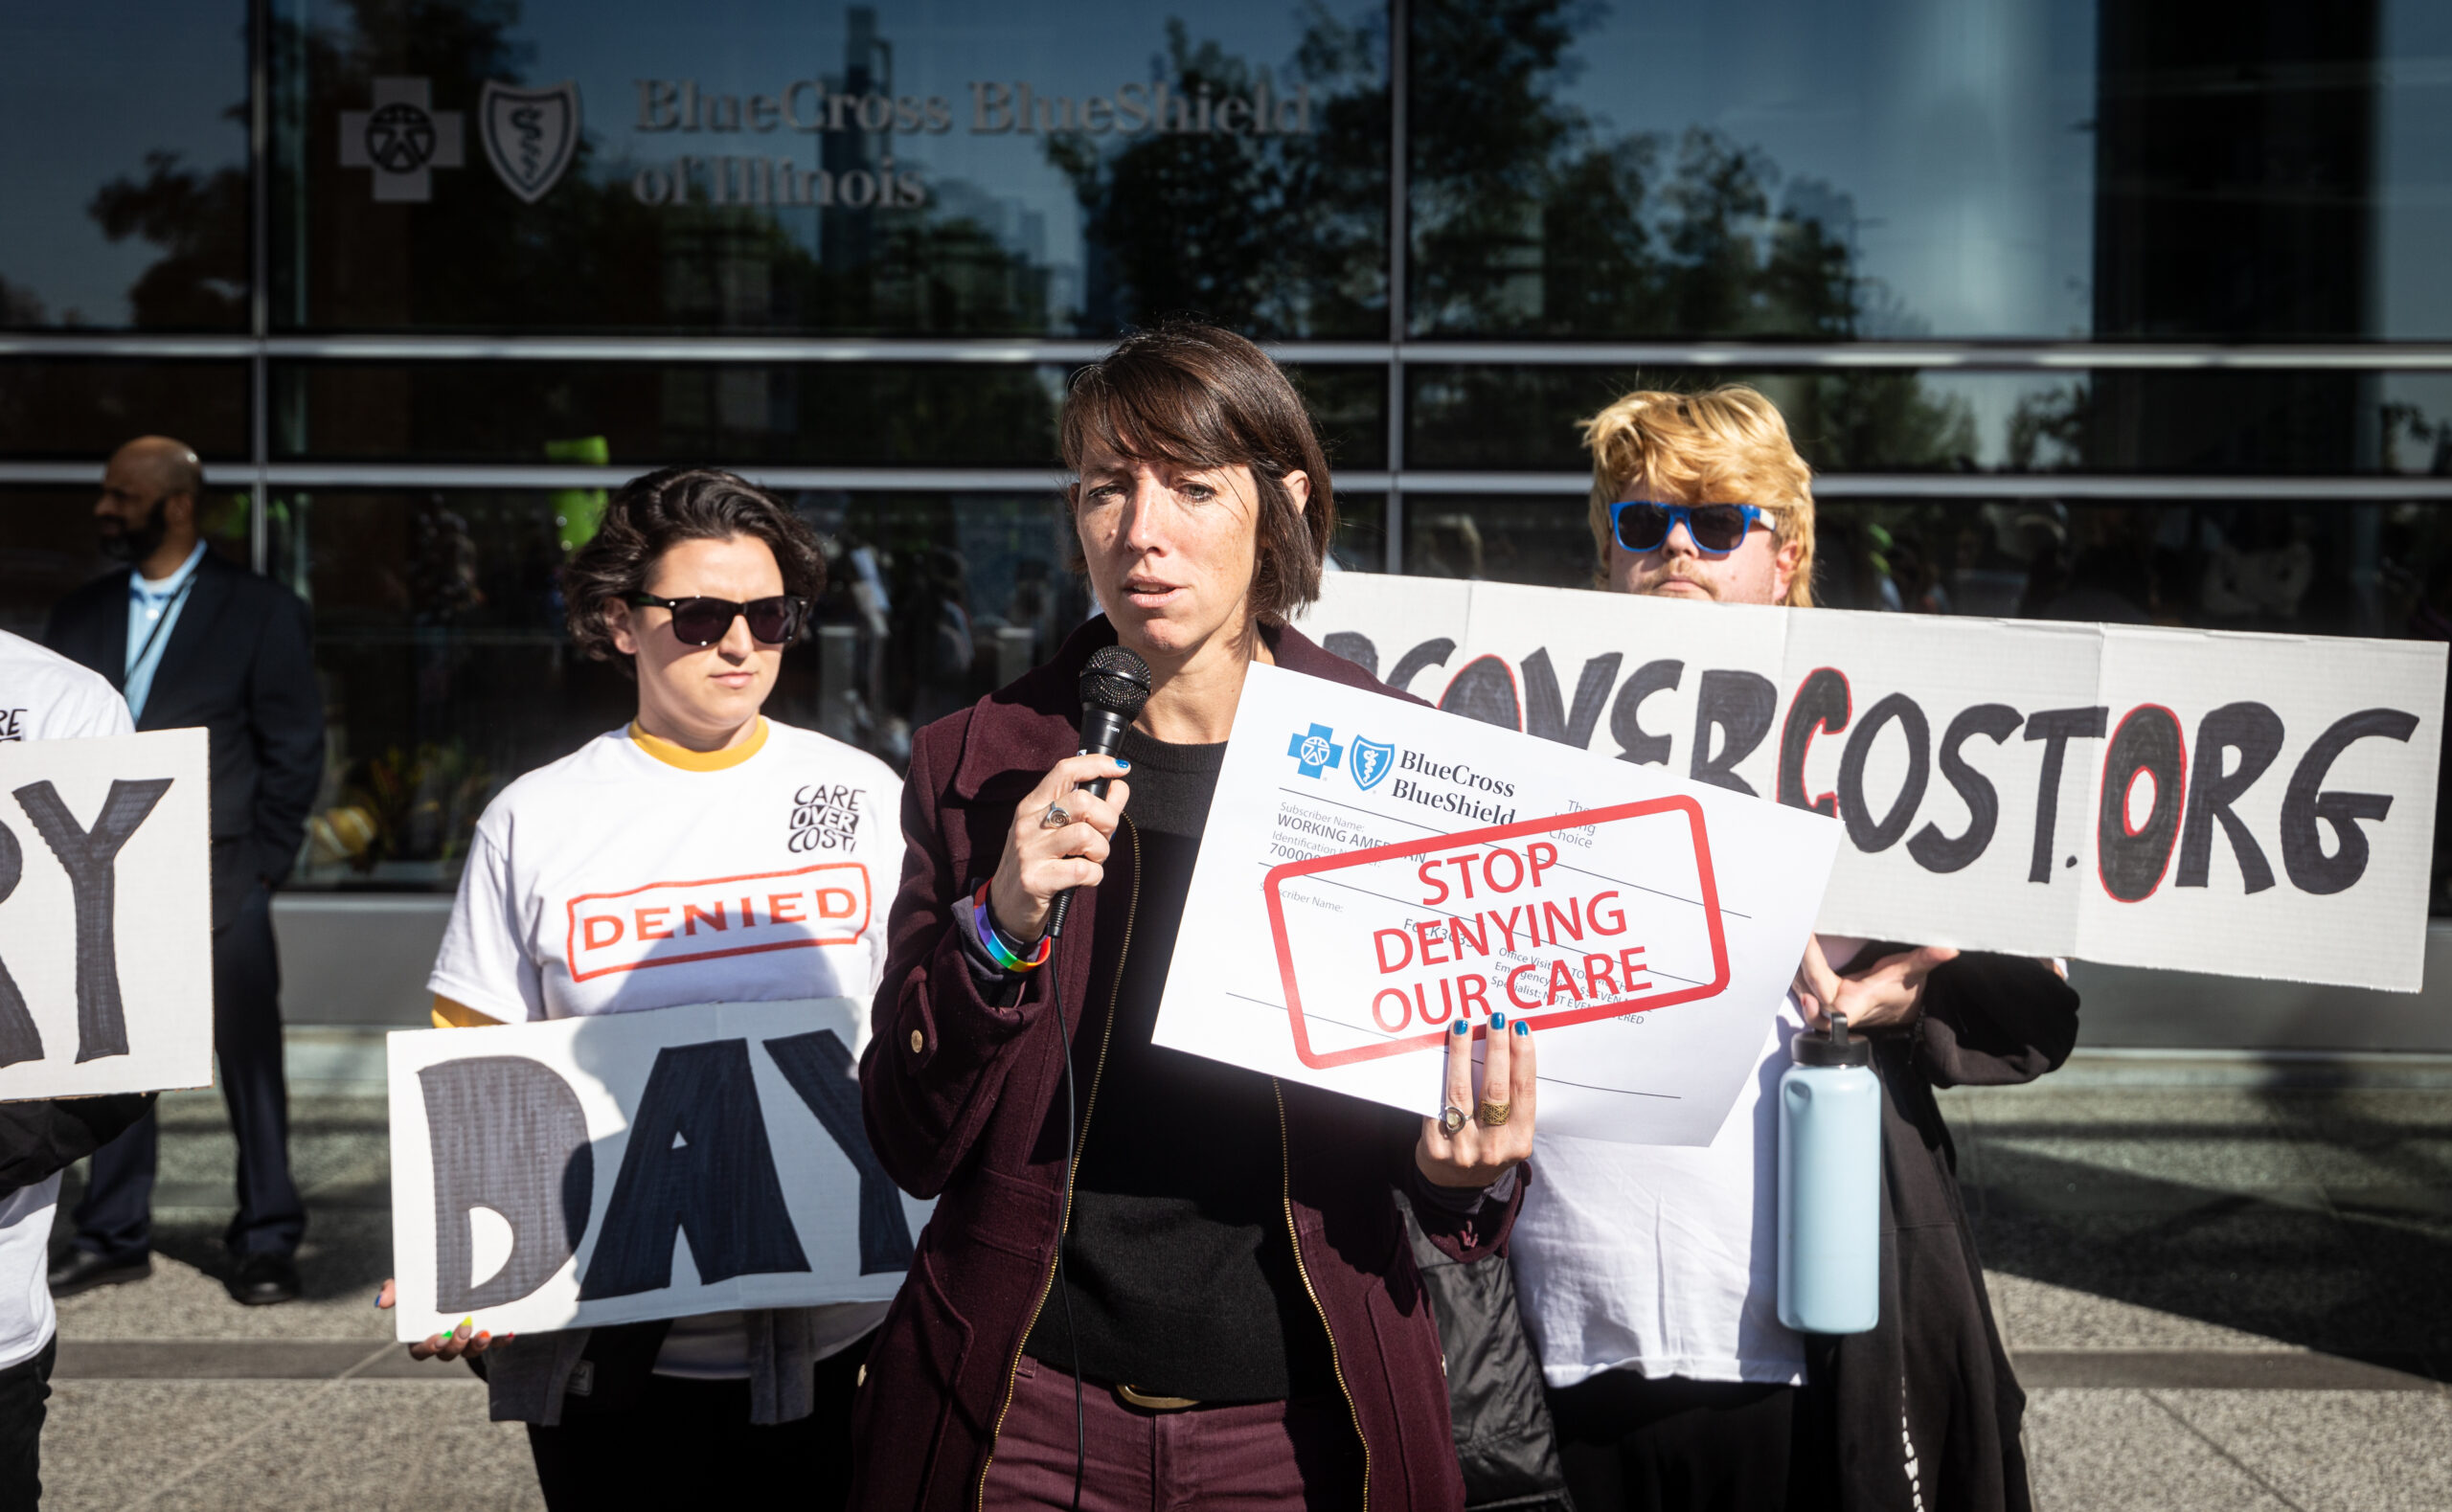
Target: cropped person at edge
pixel 1673 1381
pixel 1245 1313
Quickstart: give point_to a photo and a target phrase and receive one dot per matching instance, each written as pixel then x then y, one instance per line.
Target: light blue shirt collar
pixel 140 587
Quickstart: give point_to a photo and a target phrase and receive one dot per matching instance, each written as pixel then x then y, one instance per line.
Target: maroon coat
pixel 965 1101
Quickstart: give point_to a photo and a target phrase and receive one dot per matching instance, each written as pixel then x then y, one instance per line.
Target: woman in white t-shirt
pixel 703 853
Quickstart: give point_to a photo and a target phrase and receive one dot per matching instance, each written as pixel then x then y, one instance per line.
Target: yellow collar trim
pixel 688 760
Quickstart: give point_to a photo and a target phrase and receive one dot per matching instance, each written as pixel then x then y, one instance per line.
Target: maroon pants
pixel 1265 1456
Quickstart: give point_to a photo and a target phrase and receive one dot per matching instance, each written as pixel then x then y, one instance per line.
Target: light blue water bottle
pixel 1830 1185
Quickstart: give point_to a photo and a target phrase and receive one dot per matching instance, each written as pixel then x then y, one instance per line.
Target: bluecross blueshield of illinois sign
pixel 529 134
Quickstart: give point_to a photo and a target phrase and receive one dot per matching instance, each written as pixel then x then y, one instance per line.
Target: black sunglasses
pixel 703 621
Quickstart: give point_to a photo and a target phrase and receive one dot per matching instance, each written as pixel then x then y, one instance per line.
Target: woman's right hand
pixel 1039 863
pixel 461 1342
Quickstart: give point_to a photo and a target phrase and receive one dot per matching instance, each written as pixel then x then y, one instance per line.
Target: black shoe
pixel 82 1271
pixel 265 1278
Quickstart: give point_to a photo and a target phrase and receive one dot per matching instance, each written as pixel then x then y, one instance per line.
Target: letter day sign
pixel 626 1166
pixel 106 915
pixel 2257 805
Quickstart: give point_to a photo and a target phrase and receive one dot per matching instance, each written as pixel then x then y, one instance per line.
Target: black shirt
pixel 1180 1265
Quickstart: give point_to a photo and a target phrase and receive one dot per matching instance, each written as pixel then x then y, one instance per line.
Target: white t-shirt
pixel 43 696
pixel 1665 1260
pixel 616 880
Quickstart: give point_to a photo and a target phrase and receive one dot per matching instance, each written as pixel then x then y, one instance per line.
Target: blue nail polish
pixel 1522 1027
pixel 1498 1022
pixel 1462 1028
pixel 1121 765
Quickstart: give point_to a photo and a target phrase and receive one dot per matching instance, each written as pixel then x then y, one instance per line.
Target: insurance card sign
pixel 1406 866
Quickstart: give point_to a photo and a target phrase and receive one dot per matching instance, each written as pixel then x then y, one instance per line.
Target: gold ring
pixel 1493 1114
pixel 1055 818
pixel 1451 1118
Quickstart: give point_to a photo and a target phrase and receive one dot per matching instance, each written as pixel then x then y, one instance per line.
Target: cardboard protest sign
pixel 106 915
pixel 626 1166
pixel 1406 867
pixel 2249 805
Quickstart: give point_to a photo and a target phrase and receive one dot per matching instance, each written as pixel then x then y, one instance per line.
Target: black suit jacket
pixel 240 664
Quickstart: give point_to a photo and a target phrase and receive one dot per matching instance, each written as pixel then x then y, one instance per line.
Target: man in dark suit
pixel 191 640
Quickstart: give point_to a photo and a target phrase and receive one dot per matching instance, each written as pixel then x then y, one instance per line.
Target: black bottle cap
pixel 1836 1048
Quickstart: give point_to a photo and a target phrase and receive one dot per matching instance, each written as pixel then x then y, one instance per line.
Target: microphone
pixel 1115 683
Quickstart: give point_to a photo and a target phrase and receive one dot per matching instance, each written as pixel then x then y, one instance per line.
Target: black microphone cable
pixel 1064 1209
pixel 1115 683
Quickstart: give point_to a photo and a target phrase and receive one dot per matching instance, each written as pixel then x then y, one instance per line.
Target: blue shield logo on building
pixel 1315 751
pixel 1371 762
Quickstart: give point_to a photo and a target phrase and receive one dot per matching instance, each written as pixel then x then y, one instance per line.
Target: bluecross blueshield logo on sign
pixel 1315 751
pixel 1371 762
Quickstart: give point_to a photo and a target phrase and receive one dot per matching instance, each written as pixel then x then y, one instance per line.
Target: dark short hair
pixel 649 516
pixel 1192 394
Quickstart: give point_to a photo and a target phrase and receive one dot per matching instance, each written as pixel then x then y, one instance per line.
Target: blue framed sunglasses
pixel 1716 529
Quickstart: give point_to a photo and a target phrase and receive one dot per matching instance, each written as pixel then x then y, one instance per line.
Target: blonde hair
pixel 1724 445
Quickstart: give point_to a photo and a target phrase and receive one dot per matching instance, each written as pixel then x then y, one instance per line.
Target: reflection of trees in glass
pixel 1274 235
pixel 2429 442
pixel 21 306
pixel 1529 219
pixel 199 221
pixel 2048 431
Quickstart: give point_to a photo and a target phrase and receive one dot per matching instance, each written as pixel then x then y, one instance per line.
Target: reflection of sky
pixel 1956 127
pixel 2415 168
pixel 86 90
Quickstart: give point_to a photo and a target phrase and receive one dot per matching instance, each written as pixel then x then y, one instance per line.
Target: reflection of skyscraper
pixel 847 235
pixel 2233 191
pixel 1015 226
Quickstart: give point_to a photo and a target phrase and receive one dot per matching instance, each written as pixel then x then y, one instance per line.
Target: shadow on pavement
pixel 2315 1218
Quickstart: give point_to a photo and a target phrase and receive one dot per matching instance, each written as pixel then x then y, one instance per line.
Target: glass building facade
pixel 2136 311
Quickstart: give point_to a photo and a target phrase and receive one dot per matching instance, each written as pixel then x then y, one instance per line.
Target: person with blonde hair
pixel 1724 452
pixel 1648 1277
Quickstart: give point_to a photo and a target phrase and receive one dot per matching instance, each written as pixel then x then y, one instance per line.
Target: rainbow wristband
pixel 1006 953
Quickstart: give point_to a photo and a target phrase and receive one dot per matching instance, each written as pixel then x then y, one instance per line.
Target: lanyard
pixel 160 624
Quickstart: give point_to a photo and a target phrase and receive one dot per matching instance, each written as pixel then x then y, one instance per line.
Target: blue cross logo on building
pixel 1315 751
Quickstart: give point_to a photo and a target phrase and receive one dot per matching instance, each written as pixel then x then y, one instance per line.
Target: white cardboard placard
pixel 627 1166
pixel 106 915
pixel 1930 737
pixel 1380 869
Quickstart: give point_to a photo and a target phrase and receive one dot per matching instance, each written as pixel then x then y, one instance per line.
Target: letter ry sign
pixel 105 916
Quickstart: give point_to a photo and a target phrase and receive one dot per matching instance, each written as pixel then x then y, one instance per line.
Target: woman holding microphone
pixel 1233 1316
pixel 695 585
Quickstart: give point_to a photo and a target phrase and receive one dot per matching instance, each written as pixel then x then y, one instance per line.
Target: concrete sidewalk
pixel 2225 1293
pixel 2222 1280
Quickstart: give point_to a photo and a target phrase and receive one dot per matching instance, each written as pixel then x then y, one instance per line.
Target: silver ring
pixel 1452 1118
pixel 1055 818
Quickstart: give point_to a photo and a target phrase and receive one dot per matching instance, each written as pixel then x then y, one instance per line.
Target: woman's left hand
pixel 1497 1131
pixel 1888 994
pixel 459 1342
